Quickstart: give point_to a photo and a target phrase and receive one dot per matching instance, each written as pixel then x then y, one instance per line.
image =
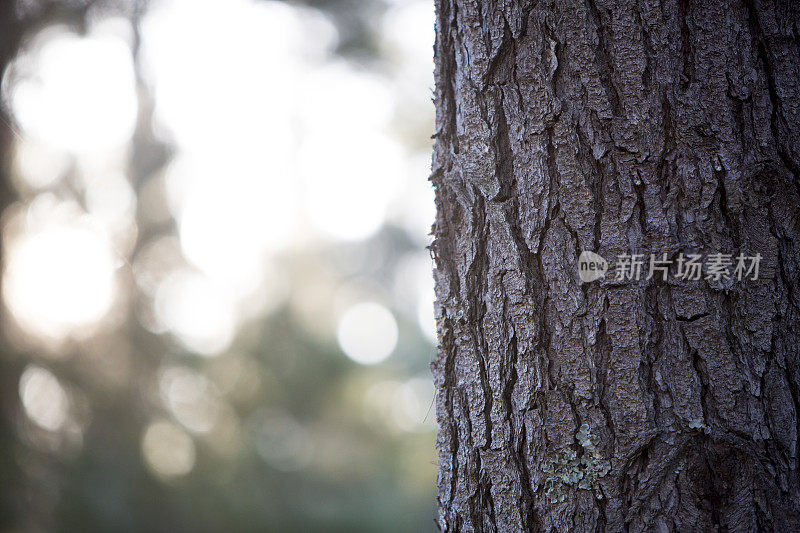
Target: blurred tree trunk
pixel 616 126
pixel 10 34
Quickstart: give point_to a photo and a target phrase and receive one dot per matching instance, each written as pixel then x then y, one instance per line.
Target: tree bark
pixel 616 126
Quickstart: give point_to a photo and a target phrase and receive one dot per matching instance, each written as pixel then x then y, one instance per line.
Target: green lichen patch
pixel 698 423
pixel 569 468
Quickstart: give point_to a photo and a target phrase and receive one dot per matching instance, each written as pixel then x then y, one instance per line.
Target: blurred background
pixel 217 299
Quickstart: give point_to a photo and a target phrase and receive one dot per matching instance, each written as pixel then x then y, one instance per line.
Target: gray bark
pixel 616 126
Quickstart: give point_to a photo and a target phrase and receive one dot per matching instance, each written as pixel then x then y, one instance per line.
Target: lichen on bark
pixel 567 468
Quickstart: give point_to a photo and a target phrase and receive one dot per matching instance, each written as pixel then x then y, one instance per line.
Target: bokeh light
pixel 74 93
pixel 168 451
pixel 367 333
pixel 219 302
pixel 281 441
pixel 59 279
pixel 349 165
pixel 190 398
pixel 43 397
pixel 196 311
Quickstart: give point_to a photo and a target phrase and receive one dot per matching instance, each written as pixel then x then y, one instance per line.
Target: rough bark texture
pixel 617 126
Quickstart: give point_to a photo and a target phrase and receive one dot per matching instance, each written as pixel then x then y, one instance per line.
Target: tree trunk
pixel 618 127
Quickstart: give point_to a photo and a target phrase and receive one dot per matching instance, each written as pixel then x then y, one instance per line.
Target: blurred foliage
pixel 119 424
